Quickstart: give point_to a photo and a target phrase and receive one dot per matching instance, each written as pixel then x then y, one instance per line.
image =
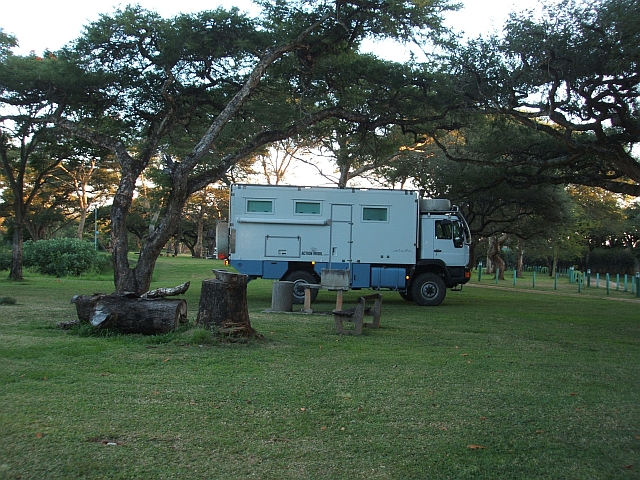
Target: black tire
pixel 299 279
pixel 428 290
pixel 406 295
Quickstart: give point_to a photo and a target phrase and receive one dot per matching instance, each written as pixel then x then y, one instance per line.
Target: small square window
pixel 308 208
pixel 259 206
pixel 375 214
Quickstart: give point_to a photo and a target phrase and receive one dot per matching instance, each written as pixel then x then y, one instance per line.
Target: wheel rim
pixel 298 288
pixel 429 290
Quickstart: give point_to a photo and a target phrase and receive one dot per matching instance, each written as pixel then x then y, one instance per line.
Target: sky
pixel 46 24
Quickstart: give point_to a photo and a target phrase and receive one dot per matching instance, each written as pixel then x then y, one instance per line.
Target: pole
pixel 95 228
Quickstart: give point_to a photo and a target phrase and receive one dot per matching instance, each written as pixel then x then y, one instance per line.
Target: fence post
pixel 534 279
pixel 515 274
pixel 598 280
pixel 626 282
pixel 497 275
pixel 617 281
pixel 579 280
pixel 637 284
pixel 572 275
pixel 607 284
pixel 588 277
pixel 479 271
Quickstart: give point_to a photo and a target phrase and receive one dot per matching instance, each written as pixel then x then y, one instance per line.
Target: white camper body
pixel 384 238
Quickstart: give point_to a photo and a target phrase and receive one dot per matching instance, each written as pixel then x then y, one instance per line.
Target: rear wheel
pixel 428 289
pixel 300 278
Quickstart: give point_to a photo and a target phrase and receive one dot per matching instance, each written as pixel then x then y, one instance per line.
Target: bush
pixel 61 257
pixel 611 260
pixel 5 258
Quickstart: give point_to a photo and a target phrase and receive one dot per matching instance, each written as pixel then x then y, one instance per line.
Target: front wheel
pixel 428 289
pixel 300 278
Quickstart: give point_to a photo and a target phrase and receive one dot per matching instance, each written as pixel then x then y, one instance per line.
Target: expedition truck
pixel 386 239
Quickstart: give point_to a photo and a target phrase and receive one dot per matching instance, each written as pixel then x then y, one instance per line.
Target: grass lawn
pixel 494 383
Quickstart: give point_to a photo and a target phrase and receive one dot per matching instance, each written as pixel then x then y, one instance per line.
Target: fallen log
pixel 148 314
pixel 129 314
pixel 85 305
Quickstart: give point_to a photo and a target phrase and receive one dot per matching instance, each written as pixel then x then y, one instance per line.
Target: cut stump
pixel 223 305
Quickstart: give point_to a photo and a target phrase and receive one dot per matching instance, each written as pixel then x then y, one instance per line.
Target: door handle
pixel 438 251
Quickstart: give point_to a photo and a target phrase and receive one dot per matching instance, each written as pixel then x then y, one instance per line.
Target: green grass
pixel 547 383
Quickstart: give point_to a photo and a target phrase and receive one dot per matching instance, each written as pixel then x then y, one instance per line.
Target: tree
pixel 89 176
pixel 211 89
pixel 499 199
pixel 573 76
pixel 33 91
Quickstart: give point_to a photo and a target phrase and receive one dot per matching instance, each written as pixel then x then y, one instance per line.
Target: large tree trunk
pixel 15 273
pixel 131 314
pixel 197 249
pixel 223 305
pixel 81 222
pixel 519 258
pixel 495 246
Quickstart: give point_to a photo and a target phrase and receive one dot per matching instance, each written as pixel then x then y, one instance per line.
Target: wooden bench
pixel 357 313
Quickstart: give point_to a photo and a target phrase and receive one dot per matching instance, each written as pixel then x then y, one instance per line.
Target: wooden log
pixel 223 305
pixel 138 315
pixel 85 305
pixel 167 292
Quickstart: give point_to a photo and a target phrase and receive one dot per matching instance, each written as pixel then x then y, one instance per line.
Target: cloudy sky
pixel 46 24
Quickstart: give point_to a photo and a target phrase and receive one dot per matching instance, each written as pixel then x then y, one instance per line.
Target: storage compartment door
pixel 282 247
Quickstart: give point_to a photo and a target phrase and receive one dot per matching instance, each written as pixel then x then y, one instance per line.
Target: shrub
pixel 61 257
pixel 611 260
pixel 5 258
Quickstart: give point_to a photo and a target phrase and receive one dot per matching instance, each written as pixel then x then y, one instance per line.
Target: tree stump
pixel 131 314
pixel 223 305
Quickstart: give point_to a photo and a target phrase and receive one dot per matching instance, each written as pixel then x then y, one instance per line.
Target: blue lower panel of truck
pixel 360 275
pixel 388 277
pixel 248 267
pixel 275 269
pixel 363 275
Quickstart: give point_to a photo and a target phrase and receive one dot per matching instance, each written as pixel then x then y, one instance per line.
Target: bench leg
pixel 357 324
pixel 375 313
pixel 307 301
pixel 339 300
pixel 357 321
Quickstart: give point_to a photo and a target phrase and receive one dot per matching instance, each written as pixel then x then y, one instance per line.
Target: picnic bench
pixel 332 280
pixel 357 314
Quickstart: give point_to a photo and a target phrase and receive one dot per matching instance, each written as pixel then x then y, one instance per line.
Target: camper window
pixel 259 206
pixel 307 208
pixel 375 214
